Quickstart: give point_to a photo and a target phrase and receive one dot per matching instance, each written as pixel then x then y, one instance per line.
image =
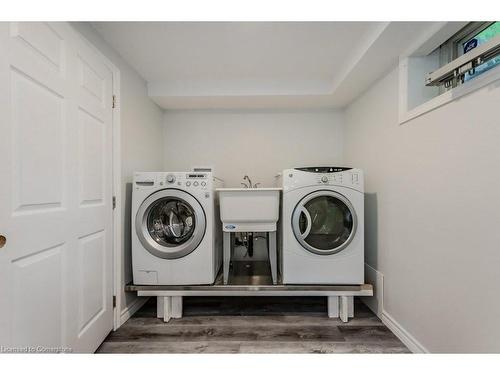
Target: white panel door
pixel 56 189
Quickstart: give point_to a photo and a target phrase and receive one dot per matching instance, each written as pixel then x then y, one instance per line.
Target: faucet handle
pixel 256 185
pixel 245 185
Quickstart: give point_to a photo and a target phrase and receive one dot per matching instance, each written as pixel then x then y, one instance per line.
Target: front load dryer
pixel 175 228
pixel 322 239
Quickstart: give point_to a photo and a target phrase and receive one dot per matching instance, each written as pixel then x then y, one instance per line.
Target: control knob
pixel 170 178
pixel 324 179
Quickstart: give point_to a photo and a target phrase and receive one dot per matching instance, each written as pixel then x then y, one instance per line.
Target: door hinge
pixel 114 101
pixel 114 202
pixel 114 301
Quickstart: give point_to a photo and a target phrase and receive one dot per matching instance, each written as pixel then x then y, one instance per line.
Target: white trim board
pixel 376 305
pixel 406 114
pixel 117 192
pixel 131 309
pixel 117 177
pixel 411 342
pixel 421 56
pixel 376 279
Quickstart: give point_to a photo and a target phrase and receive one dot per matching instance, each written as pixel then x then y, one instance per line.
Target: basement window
pixel 464 62
pixel 467 39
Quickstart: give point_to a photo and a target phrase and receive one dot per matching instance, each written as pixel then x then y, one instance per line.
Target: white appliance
pixel 322 239
pixel 176 231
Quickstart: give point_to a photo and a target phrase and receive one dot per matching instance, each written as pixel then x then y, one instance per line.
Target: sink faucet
pixel 249 185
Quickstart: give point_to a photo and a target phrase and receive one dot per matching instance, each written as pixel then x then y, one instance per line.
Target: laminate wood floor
pixel 253 325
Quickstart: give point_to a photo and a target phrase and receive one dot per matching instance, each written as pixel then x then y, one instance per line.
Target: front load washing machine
pixel 176 231
pixel 322 239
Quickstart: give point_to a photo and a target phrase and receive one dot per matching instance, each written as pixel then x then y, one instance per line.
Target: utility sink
pixel 249 209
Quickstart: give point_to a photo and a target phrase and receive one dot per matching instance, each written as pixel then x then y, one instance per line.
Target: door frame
pixel 116 178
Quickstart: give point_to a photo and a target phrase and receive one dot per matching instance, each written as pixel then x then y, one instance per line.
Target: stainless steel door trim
pixel 300 208
pixel 154 247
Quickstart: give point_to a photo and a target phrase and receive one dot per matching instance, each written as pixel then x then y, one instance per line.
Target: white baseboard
pixel 376 304
pixel 376 279
pixel 131 309
pixel 411 342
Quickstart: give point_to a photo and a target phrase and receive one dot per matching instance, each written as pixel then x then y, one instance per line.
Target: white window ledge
pixel 406 114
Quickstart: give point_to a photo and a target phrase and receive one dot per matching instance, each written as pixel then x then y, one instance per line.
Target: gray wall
pixel 141 139
pixel 433 213
pixel 260 143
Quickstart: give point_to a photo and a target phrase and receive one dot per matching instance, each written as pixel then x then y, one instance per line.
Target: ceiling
pixel 259 64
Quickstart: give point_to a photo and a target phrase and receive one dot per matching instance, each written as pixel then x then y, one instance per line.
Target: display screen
pixel 323 169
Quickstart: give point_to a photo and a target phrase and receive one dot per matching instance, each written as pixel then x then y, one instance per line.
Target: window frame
pixel 451 49
pixel 413 65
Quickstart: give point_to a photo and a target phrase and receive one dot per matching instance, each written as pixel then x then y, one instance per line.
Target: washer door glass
pixel 170 223
pixel 324 222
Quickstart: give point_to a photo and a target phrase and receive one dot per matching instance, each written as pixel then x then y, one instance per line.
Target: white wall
pixel 141 140
pixel 257 143
pixel 433 213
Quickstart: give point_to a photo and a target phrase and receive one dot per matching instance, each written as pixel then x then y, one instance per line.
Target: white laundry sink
pixel 249 209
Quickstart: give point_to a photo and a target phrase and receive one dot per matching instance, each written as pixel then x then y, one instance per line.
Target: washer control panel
pixel 180 180
pixel 196 180
pixel 170 179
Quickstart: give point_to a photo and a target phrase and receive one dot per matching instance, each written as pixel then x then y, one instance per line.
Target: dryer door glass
pixel 170 223
pixel 324 222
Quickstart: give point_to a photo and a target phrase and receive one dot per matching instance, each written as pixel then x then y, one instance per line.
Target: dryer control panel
pixel 326 176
